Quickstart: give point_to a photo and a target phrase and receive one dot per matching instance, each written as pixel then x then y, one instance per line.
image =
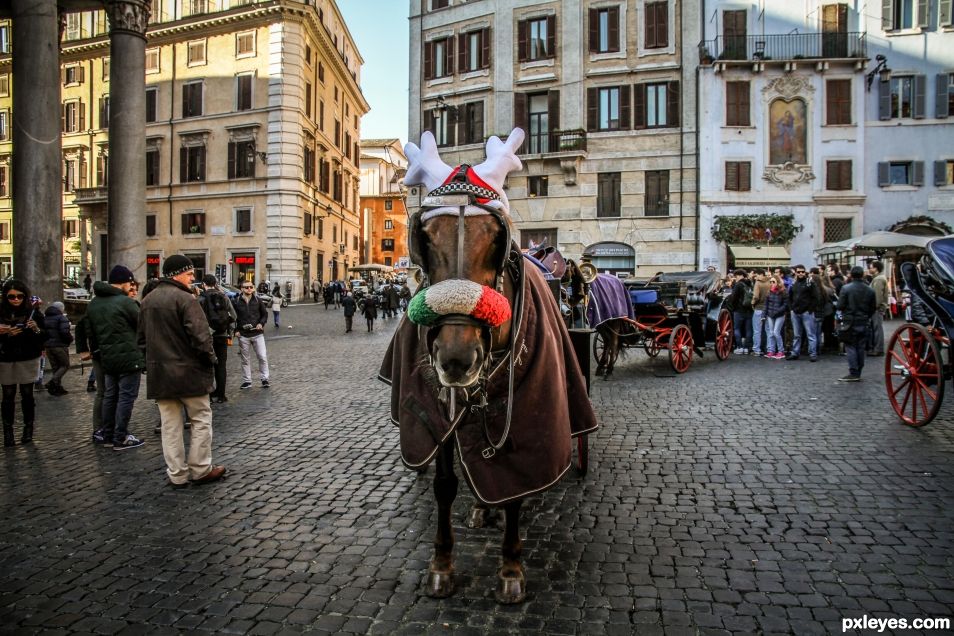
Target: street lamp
pixel 443 107
pixel 251 153
pixel 881 70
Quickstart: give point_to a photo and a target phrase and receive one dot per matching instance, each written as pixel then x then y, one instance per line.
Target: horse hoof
pixel 598 372
pixel 511 589
pixel 439 584
pixel 479 518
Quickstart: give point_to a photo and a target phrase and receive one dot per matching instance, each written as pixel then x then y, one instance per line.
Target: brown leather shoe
pixel 217 473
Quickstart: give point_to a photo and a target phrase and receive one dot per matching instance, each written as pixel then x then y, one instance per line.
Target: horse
pixel 494 376
pixel 609 305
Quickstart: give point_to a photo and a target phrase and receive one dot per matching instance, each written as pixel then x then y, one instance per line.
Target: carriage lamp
pixel 881 70
pixel 443 107
pixel 251 152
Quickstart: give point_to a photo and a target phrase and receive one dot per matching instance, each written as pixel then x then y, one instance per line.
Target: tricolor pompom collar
pixel 460 297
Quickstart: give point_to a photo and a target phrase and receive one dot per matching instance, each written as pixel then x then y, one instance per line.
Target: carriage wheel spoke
pixel 907 396
pixel 907 382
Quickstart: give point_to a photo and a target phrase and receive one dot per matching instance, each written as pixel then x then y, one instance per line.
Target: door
pixel 835 30
pixel 734 31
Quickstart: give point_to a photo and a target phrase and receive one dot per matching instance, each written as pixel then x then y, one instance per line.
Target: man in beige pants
pixel 180 371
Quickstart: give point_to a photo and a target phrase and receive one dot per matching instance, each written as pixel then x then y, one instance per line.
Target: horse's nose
pixel 458 365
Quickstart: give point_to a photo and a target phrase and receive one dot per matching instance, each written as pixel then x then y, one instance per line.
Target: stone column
pixel 126 214
pixel 37 149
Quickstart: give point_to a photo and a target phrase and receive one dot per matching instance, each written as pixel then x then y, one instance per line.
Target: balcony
pixel 557 143
pixel 784 48
pixel 90 196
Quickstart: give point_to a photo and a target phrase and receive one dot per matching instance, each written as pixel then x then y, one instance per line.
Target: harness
pixel 464 189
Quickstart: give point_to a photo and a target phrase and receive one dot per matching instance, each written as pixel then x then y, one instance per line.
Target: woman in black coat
pixel 370 310
pixel 21 343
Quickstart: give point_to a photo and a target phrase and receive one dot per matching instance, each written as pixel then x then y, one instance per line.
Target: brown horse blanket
pixel 550 404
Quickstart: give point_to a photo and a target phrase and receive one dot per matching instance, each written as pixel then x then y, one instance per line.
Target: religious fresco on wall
pixel 788 132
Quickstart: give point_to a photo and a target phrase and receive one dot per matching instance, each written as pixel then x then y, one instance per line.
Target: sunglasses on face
pixel 248 287
pixel 800 273
pixel 15 296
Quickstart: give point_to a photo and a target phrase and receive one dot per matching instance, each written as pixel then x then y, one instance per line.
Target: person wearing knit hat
pixel 58 341
pixel 176 264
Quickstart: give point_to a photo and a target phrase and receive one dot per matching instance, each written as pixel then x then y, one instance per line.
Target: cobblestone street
pixel 746 496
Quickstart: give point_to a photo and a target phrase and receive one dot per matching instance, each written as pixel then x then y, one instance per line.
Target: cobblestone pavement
pixel 744 496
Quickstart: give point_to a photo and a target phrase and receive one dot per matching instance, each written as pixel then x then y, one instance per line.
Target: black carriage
pixel 918 359
pixel 677 312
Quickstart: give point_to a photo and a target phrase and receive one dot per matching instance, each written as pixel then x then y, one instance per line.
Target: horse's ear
pixel 416 242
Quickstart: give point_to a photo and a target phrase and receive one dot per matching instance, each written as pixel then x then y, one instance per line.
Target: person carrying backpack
pixel 221 315
pixel 740 302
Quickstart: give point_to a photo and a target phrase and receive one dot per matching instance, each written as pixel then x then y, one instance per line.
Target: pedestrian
pixel 180 358
pixel 221 316
pixel 316 290
pixel 21 343
pixel 776 308
pixel 339 293
pixel 370 310
pixel 328 295
pixel 276 306
pixel 58 341
pixel 804 298
pixel 760 291
pixel 252 316
pixel 829 342
pixel 88 283
pixel 879 284
pixel 114 319
pixel 857 304
pixel 391 300
pixel 740 301
pixel 405 296
pixel 263 287
pixel 349 309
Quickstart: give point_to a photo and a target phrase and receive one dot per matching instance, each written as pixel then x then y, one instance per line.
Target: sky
pixel 380 29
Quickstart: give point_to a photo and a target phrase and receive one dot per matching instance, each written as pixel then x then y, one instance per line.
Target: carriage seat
pixel 644 296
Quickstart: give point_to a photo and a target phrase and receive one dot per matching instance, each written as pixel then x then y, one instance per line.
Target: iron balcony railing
pixel 556 141
pixel 792 46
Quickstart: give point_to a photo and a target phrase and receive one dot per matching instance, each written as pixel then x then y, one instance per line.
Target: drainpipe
pixel 702 22
pixel 172 154
pixel 682 130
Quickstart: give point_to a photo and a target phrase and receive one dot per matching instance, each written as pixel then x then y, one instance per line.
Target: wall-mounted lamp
pixel 251 153
pixel 443 107
pixel 881 70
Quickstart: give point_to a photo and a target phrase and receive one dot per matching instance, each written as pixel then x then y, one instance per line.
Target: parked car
pixel 72 290
pixel 359 287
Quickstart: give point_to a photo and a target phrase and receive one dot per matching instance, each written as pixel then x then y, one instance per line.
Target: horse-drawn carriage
pixel 677 312
pixel 918 360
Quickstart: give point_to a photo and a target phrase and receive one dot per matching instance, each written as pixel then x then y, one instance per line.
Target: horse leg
pixel 440 574
pixel 601 361
pixel 612 350
pixel 481 516
pixel 511 584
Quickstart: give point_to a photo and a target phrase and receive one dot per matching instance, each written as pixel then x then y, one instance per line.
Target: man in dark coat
pixel 114 318
pixel 180 362
pixel 857 303
pixel 221 315
pixel 350 306
pixel 58 340
pixel 805 299
pixel 390 301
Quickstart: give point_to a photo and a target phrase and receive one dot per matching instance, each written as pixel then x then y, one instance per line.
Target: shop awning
pixel 760 256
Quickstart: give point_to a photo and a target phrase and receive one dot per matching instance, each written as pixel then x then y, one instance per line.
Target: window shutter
pixel 485 48
pixel 245 90
pixel 732 175
pixel 478 127
pixel 625 115
pixel 944 12
pixel 523 45
pixel 99 170
pixel 652 193
pixel 183 164
pixel 941 101
pixel 745 116
pixel 639 106
pixel 662 24
pixel 650 19
pixel 82 173
pixel 672 103
pixel 233 147
pixel 449 56
pixel 520 110
pixel 62 117
pixel 884 100
pixel 594 17
pixel 81 72
pixel 428 60
pixel 551 36
pixel 924 13
pixel 887 14
pixel 745 176
pixel 917 173
pixel 613 20
pixel 845 175
pixel 464 122
pixel 592 108
pixel 82 115
pixel 940 173
pixel 884 173
pixel 553 110
pixel 463 52
pixel 920 96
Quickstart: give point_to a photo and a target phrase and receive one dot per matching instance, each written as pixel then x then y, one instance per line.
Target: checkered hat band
pixel 464 188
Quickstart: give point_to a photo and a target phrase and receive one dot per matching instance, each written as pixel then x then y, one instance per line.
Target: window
pixel 69 175
pixel 193 223
pixel 151 225
pixel 388 205
pixel 738 176
pixel 74 116
pixel 324 175
pixel 102 169
pixel 243 220
pixel 321 72
pixel 444 133
pixel 900 173
pixel 838 175
pixel 152 167
pixel 308 163
pixel 71 228
pixel 536 39
pixel 438 59
pixel 657 105
pixel 192 99
pixel 943 173
pixel 152 104
pixel 945 95
pixel 388 223
pixel 306 224
pixel 473 50
pixel 308 94
pixel 5 231
pixel 104 112
pixel 388 261
pixel 604 30
pixel 657 193
pixel 657 25
pixel 336 93
pixel 902 97
pixel 4 125
pixel 438 4
pixel 191 164
pixel 241 160
pixel 195 7
pixel 387 245
pixel 838 102
pixel 105 69
pixel 196 53
pixel 734 29
pixel 471 123
pixel 321 228
pixel 835 229
pixel 5 38
pixel 245 44
pixel 607 108
pixel 243 92
pixel 152 60
pixel 308 54
pixel 737 104
pixel 5 85
pixel 74 74
pixel 4 181
pixel 537 186
pixel 321 115
pixel 337 183
pixel 904 14
pixel 607 194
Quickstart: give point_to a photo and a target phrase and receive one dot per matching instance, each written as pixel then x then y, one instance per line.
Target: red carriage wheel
pixel 724 334
pixel 914 374
pixel 599 347
pixel 680 348
pixel 652 347
pixel 582 454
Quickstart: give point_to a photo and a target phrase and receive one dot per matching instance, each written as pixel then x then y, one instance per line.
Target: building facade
pixel 601 89
pixel 383 209
pixel 253 119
